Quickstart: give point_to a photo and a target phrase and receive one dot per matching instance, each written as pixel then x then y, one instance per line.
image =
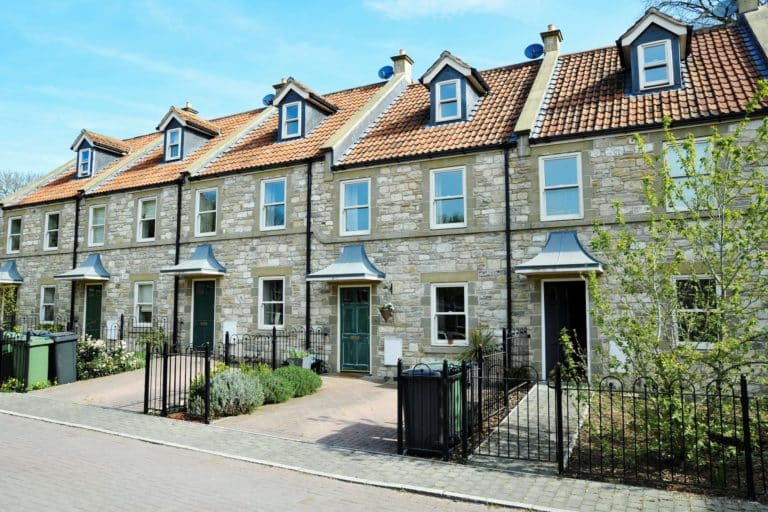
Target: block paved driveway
pixel 347 411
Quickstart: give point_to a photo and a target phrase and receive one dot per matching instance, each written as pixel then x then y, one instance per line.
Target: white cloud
pixel 404 9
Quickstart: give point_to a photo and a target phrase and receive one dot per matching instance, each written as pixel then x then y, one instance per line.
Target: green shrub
pixel 12 385
pixel 232 393
pixel 303 381
pixel 276 389
pixel 94 360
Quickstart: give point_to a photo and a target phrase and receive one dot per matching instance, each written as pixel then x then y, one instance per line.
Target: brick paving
pixel 46 466
pixel 508 488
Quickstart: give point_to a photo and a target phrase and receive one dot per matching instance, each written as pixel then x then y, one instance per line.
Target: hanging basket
pixel 386 314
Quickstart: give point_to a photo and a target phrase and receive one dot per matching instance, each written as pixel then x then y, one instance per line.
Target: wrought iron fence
pixel 275 347
pixel 713 438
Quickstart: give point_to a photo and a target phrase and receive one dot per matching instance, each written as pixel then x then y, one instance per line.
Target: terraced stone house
pixel 465 198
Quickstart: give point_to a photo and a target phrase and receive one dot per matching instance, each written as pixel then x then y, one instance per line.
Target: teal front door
pixel 355 325
pixel 203 299
pixel 93 311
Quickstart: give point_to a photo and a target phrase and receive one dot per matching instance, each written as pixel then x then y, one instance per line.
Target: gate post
pixel 207 383
pixel 747 438
pixel 274 348
pixel 464 422
pixel 480 392
pixel 559 419
pixel 164 410
pixel 446 406
pixel 226 348
pixel 400 389
pixel 122 326
pixel 505 347
pixel 148 348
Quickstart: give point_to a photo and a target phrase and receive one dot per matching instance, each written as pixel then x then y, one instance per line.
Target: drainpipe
pixel 308 242
pixel 179 186
pixel 508 235
pixel 78 199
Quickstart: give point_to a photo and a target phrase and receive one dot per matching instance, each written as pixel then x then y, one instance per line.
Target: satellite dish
pixel 267 100
pixel 534 51
pixel 386 72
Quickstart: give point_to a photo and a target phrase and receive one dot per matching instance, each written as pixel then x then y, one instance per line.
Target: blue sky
pixel 116 67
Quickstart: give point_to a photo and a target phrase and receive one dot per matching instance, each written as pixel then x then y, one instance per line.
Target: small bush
pixel 303 381
pixel 95 360
pixel 232 393
pixel 12 385
pixel 276 389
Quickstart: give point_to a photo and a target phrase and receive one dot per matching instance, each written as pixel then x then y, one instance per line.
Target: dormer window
pixel 173 144
pixel 291 120
pixel 652 52
pixel 448 100
pixel 455 88
pixel 84 163
pixel 300 110
pixel 185 132
pixel 655 62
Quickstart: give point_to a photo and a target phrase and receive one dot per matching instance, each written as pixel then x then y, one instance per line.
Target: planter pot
pixel 304 362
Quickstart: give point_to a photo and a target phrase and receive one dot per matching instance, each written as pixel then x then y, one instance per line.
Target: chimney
pixel 552 38
pixel 747 5
pixel 188 108
pixel 402 64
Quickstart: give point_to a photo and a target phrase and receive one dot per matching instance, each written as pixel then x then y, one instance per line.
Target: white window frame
pixel 668 148
pixel 43 304
pixel 168 145
pixel 10 236
pixel 699 345
pixel 84 173
pixel 433 200
pixel 198 213
pixel 137 304
pixel 91 226
pixel 140 220
pixel 434 314
pixel 285 122
pixel 543 190
pixel 262 321
pixel 46 231
pixel 643 66
pixel 264 205
pixel 439 100
pixel 343 209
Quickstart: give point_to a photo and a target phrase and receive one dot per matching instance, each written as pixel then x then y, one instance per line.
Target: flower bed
pixel 95 359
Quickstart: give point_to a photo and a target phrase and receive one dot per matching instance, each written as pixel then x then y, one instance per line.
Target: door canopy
pixel 562 254
pixel 201 263
pixel 353 265
pixel 9 274
pixel 90 270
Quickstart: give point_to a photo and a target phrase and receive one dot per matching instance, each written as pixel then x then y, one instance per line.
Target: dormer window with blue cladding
pixel 299 110
pixel 173 140
pixel 84 162
pixel 291 125
pixel 653 51
pixel 455 88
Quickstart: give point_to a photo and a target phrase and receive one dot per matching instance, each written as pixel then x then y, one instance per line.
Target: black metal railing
pixel 275 347
pixel 713 438
pixel 177 378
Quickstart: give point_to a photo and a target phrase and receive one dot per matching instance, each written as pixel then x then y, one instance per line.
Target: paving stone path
pixel 506 488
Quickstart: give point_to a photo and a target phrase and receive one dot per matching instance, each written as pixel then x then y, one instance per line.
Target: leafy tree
pixel 701 13
pixel 11 181
pixel 716 239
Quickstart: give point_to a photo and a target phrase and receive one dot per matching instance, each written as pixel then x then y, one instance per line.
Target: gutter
pixel 78 199
pixel 177 251
pixel 308 253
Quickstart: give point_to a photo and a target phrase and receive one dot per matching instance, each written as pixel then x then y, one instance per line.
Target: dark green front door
pixel 93 310
pixel 204 293
pixel 355 322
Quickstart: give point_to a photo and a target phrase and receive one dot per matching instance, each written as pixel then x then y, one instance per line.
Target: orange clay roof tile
pixel 719 78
